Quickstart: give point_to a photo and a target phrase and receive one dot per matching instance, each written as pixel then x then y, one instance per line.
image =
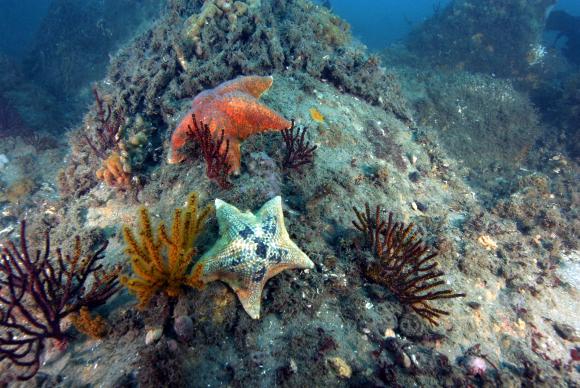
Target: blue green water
pixel 377 23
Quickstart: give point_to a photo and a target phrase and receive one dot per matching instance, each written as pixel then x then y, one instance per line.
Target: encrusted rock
pixel 401 357
pixel 183 327
pixel 411 326
pixel 378 292
pixel 566 331
pixel 55 350
pixel 172 345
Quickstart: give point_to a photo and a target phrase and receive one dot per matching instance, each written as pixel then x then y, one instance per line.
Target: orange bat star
pixel 233 107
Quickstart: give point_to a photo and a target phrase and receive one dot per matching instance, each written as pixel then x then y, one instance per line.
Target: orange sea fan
pixel 161 261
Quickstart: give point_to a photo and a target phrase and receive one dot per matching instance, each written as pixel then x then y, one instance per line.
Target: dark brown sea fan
pixel 404 264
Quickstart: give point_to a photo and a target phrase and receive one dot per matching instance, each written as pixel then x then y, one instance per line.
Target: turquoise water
pixel 375 22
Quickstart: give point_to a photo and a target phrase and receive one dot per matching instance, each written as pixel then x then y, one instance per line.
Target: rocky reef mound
pixel 196 45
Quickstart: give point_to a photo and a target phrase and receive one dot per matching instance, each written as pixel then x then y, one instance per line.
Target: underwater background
pixel 289 193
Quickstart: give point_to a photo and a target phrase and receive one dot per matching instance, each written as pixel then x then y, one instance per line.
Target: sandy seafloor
pixel 520 287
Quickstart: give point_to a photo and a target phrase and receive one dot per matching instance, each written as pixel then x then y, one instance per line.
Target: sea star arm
pixel 232 222
pixel 250 298
pixel 234 156
pixel 272 218
pixel 179 138
pixel 231 264
pixel 252 249
pixel 296 258
pixel 248 116
pixel 253 85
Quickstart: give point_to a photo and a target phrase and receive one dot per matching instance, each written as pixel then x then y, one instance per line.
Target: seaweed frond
pixel 404 264
pixel 160 261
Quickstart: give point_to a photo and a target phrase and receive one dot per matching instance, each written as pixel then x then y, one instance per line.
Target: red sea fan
pixel 107 131
pixel 216 160
pixel 298 150
pixel 38 290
